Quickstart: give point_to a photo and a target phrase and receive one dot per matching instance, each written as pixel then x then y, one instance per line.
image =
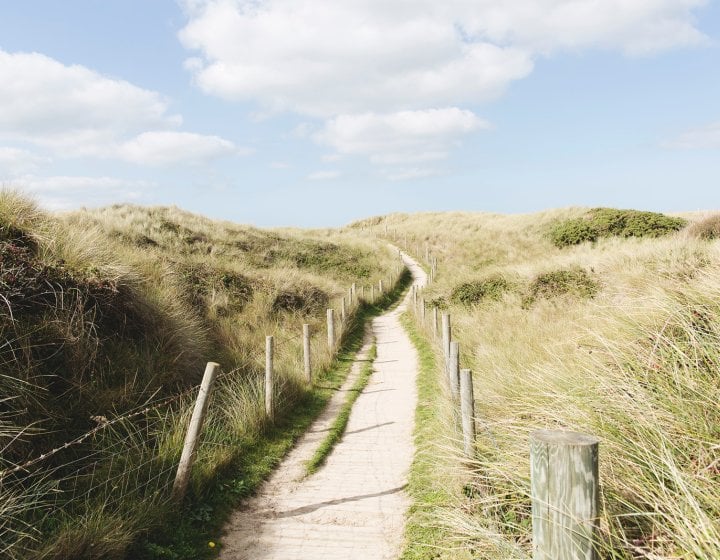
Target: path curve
pixel 354 507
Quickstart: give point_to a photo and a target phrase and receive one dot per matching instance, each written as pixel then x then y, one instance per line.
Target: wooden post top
pixel 562 437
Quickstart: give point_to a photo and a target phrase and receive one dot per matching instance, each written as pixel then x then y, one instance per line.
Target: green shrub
pixel 564 282
pixel 609 222
pixel 709 228
pixel 471 293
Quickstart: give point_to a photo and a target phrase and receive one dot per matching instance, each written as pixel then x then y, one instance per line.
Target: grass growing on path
pixel 337 430
pixel 424 537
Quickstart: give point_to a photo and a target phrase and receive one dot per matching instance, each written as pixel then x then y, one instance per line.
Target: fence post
pixel 342 309
pixel 422 309
pixel 454 369
pixel 446 337
pixel 269 359
pixel 380 286
pixel 331 329
pixel 353 292
pixel 565 482
pixel 362 291
pixel 435 321
pixel 306 352
pixel 467 411
pixel 182 477
pixel 415 298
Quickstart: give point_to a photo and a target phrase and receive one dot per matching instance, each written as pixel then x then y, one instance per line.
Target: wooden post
pixel 353 292
pixel 467 411
pixel 331 329
pixel 380 285
pixel 187 458
pixel 435 321
pixel 446 337
pixel 362 291
pixel 454 369
pixel 342 309
pixel 372 293
pixel 422 309
pixel 269 373
pixel 427 253
pixel 306 352
pixel 415 298
pixel 565 482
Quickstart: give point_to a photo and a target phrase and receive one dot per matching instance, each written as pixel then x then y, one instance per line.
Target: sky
pixel 316 113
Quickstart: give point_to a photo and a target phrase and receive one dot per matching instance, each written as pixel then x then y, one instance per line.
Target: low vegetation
pixel 474 292
pixel 107 319
pixel 622 340
pixel 708 228
pixel 609 222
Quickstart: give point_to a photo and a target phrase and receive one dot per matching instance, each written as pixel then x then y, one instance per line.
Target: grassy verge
pixel 194 531
pixel 424 537
pixel 338 428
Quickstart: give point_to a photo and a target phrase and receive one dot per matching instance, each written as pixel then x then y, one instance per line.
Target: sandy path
pixel 354 507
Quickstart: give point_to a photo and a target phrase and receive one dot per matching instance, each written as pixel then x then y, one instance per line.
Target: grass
pixel 634 364
pixel 428 486
pixel 337 430
pixel 110 311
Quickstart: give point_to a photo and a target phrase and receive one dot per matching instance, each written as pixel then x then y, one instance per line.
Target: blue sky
pixel 310 113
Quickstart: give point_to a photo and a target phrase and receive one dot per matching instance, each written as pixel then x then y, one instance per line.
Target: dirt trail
pixel 354 506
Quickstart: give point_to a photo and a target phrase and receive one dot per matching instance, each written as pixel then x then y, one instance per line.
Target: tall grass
pixel 634 361
pixel 115 311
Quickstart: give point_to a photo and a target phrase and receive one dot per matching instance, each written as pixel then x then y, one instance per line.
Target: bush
pixel 609 222
pixel 471 293
pixel 709 228
pixel 564 282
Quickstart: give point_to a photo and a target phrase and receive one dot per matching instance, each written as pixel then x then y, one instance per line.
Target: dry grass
pixel 635 364
pixel 105 311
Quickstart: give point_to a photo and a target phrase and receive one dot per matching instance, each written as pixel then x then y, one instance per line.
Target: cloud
pixel 63 192
pixel 327 58
pixel 72 111
pixel 324 175
pixel 698 138
pixel 16 160
pixel 164 148
pixel 379 73
pixel 399 138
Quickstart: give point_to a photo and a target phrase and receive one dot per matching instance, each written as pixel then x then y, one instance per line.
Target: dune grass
pixel 630 354
pixel 115 311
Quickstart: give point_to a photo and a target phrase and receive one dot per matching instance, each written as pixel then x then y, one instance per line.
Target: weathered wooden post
pixel 380 286
pixel 422 309
pixel 435 321
pixel 372 293
pixel 353 292
pixel 362 291
pixel 415 296
pixel 306 352
pixel 467 411
pixel 446 337
pixel 427 253
pixel 454 369
pixel 331 329
pixel 187 458
pixel 565 490
pixel 269 374
pixel 342 309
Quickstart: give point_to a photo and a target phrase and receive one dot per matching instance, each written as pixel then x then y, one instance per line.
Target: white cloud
pixel 402 137
pixel 698 138
pixel 167 147
pixel 16 160
pixel 63 192
pixel 326 58
pixel 324 175
pixel 375 70
pixel 73 111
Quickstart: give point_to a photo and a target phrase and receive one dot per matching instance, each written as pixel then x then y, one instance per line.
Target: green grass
pixel 424 537
pixel 186 534
pixel 338 427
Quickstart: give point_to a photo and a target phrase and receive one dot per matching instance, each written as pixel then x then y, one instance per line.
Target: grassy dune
pixel 115 311
pixel 619 337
